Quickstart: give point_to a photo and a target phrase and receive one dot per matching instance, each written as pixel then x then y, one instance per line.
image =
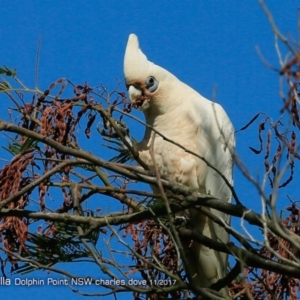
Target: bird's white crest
pixel 135 61
pixel 136 64
pixel 137 68
pixel 181 114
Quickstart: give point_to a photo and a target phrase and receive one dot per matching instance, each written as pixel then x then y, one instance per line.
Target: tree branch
pixel 244 256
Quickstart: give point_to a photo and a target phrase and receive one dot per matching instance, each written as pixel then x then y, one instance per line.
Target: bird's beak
pixel 134 93
pixel 140 101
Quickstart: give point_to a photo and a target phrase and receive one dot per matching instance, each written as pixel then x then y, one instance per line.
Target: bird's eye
pixel 151 84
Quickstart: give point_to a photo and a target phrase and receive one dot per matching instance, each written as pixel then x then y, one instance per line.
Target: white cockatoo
pixel 182 115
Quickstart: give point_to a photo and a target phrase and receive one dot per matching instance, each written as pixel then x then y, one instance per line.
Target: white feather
pixel 184 116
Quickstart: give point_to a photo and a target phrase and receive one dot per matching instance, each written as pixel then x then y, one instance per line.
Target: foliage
pixel 60 202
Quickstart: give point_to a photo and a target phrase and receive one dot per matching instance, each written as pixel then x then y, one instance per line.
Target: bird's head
pixel 149 86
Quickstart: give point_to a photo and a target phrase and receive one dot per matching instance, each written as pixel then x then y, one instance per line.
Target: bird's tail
pixel 206 265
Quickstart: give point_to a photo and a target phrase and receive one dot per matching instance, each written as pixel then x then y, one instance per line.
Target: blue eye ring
pixel 151 84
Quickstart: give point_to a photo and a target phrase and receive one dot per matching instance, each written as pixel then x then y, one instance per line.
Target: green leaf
pixel 124 154
pixel 16 148
pixel 13 148
pixel 6 71
pixel 63 247
pixel 29 144
pixel 4 85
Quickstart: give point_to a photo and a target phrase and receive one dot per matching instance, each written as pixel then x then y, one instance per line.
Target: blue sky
pixel 206 44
